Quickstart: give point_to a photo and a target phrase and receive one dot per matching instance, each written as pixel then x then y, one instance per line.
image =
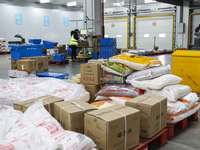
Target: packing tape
pixel 125 128
pixel 74 104
pixel 43 99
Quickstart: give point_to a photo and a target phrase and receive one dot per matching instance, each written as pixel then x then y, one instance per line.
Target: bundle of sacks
pixel 158 81
pixel 36 129
pixel 3 45
pixel 116 70
pixel 128 76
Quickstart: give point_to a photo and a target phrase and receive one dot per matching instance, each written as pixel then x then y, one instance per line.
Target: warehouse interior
pixel 99 74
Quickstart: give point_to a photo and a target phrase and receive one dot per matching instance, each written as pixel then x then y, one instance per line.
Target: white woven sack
pixel 157 83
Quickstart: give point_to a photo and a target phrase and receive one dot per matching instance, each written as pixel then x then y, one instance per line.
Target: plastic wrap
pixel 157 83
pixel 149 73
pixel 116 68
pixel 189 100
pixel 109 78
pixel 172 92
pixel 135 62
pixel 20 89
pixel 173 108
pixel 182 115
pixel 120 90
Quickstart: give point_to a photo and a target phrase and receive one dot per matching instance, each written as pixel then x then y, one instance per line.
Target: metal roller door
pixel 117 28
pixel 148 27
pixel 195 21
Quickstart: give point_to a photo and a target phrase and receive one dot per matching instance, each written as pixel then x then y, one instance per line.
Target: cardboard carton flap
pixel 113 113
pixel 147 99
pixel 75 106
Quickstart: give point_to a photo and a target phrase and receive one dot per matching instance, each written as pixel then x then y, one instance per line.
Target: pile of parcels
pixel 59 53
pixel 29 66
pixel 139 98
pixel 3 45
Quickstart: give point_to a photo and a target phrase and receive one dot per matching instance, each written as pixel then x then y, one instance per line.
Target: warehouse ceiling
pixel 114 3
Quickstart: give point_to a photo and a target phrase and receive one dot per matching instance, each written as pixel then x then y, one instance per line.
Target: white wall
pixel 33 23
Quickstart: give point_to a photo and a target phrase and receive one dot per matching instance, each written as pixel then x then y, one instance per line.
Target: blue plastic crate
pixel 44 54
pixel 59 57
pixel 35 41
pixel 108 41
pixel 95 55
pixel 58 75
pixel 49 44
pixel 27 50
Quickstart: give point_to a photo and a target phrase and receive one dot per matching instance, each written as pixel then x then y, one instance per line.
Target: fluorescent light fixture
pixel 149 1
pixel 146 35
pixel 44 1
pixel 106 36
pixel 119 35
pixel 118 4
pixel 104 1
pixel 72 3
pixel 162 35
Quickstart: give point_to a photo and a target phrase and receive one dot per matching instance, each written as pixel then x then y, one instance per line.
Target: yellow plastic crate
pixel 186 64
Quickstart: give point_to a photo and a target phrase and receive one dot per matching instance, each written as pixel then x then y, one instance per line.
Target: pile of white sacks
pixel 159 81
pixel 36 129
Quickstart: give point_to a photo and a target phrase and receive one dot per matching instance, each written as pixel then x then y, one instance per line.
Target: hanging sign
pixel 18 19
pixel 46 21
pixel 66 21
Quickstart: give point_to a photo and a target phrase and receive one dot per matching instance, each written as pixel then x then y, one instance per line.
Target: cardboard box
pixel 96 38
pixel 44 50
pixel 92 89
pixel 91 74
pixel 61 48
pixel 97 61
pixel 83 44
pixel 27 65
pixel 14 65
pixel 153 113
pixel 17 74
pixel 50 58
pixel 72 114
pixel 48 102
pixel 106 127
pixel 43 63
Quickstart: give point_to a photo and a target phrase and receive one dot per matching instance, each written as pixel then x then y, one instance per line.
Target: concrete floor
pixel 188 139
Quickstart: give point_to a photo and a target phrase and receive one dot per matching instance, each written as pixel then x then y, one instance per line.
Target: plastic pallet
pixel 181 124
pixel 161 138
pixel 151 53
pixel 59 63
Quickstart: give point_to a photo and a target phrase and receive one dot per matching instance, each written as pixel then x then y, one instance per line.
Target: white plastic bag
pixel 172 92
pixel 8 117
pixel 157 83
pixel 183 115
pixel 40 117
pixel 149 73
pixel 20 89
pixel 189 100
pixel 173 108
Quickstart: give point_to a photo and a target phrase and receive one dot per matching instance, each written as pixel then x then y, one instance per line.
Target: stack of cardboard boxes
pixel 29 65
pixel 96 43
pixel 91 78
pixel 111 128
pixel 58 51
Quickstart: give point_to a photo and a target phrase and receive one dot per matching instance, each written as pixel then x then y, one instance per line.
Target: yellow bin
pixel 186 64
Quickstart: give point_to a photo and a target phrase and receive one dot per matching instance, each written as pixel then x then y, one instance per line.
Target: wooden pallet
pixel 161 138
pixel 59 63
pixel 181 125
pixel 4 53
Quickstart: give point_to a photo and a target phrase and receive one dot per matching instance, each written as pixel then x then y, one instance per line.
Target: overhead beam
pixel 174 2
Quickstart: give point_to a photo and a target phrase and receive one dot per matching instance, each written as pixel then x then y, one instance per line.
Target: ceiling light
pixel 104 1
pixel 106 36
pixel 119 35
pixel 149 1
pixel 146 35
pixel 44 1
pixel 162 35
pixel 118 4
pixel 72 4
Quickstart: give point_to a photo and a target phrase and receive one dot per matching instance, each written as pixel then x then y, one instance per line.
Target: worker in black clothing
pixel 74 43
